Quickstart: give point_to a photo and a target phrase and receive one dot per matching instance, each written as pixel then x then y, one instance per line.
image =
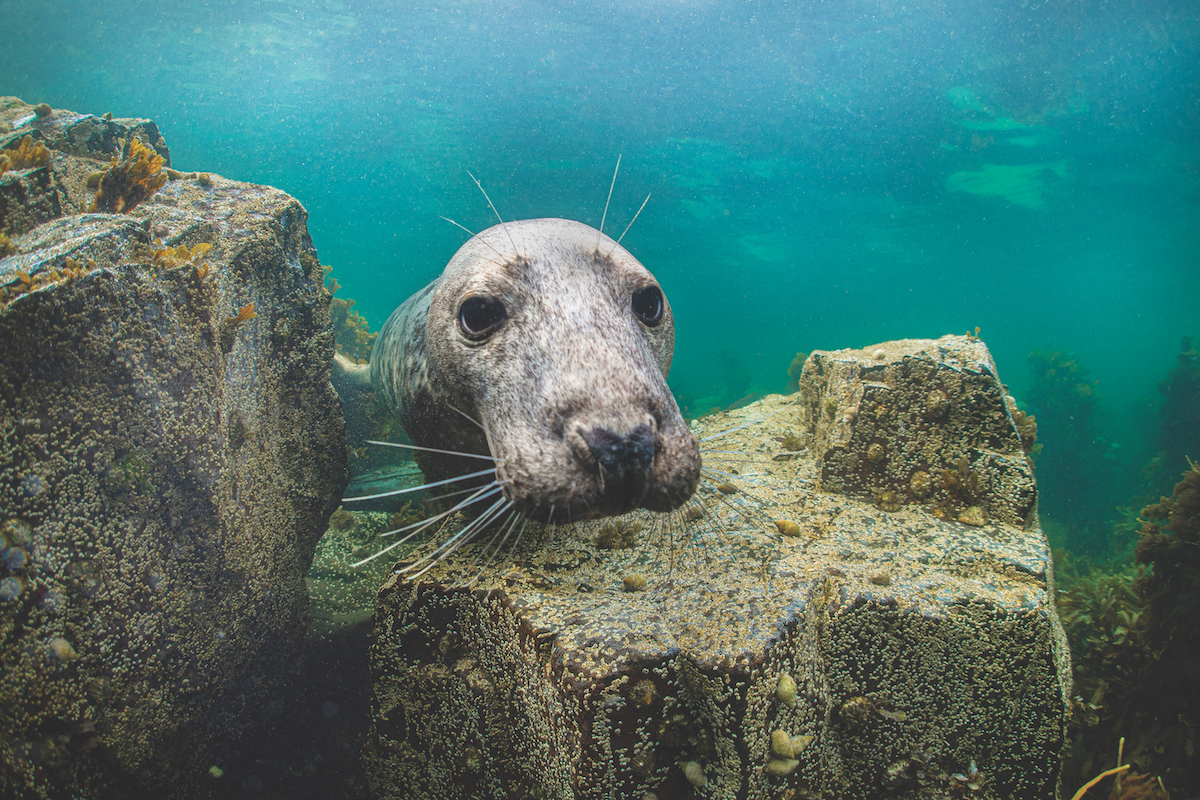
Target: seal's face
pixel 558 342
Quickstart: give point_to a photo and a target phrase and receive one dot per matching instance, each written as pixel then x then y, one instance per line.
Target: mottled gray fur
pixel 570 362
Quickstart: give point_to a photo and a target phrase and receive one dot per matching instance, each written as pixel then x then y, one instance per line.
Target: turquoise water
pixel 821 175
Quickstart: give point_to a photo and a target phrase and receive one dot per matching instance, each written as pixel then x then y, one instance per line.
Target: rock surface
pixel 165 472
pixel 918 421
pixel 878 649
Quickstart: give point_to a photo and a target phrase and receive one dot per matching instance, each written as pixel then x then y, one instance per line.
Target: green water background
pixel 822 175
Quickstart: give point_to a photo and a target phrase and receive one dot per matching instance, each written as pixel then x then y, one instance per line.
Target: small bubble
pixel 10 589
pixel 33 485
pixel 329 709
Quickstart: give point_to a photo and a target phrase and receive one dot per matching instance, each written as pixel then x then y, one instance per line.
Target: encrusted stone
pixel 164 602
pixel 874 635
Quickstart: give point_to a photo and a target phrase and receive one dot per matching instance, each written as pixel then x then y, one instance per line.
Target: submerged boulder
pixel 791 632
pixel 172 451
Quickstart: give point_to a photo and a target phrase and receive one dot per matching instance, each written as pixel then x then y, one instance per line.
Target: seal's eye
pixel 479 317
pixel 648 306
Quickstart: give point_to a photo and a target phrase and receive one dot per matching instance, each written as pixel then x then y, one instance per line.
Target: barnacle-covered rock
pixel 877 650
pixel 61 150
pixel 941 411
pixel 160 496
pixel 129 181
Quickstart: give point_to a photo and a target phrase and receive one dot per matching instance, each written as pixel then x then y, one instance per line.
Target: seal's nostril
pixel 626 462
pixel 617 454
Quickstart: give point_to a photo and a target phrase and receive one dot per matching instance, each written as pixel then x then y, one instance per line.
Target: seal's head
pixel 557 342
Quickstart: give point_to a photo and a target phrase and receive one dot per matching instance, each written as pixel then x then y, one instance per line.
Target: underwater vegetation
pixel 1075 478
pixel 352 336
pixel 618 534
pixel 794 371
pixel 25 283
pixel 182 256
pixel 1134 632
pixel 128 182
pixel 1179 434
pixel 26 155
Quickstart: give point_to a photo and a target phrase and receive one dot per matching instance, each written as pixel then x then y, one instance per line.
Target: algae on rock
pixel 896 651
pixel 161 497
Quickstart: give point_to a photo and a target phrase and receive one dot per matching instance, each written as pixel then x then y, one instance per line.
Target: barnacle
pixel 921 484
pixel 888 500
pixel 131 181
pixel 937 404
pixel 26 155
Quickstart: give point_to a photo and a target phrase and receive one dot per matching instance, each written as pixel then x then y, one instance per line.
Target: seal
pixel 545 345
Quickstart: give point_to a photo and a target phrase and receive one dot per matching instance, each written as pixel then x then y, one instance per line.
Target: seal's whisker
pixel 447 548
pixel 395 492
pixel 630 225
pixel 445 495
pixel 738 508
pixel 604 216
pixel 494 211
pixel 507 524
pixel 711 471
pixel 434 450
pixel 422 525
pixel 706 452
pixel 777 411
pixel 491 551
pixel 482 493
pixel 467 416
pixel 457 224
pixel 485 241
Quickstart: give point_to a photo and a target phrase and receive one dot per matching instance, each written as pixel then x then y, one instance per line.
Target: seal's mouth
pixel 601 472
pixel 624 463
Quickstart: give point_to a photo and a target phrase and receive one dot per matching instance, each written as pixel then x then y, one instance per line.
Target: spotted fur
pixel 570 385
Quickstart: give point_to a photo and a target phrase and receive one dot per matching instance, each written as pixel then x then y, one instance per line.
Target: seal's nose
pixel 625 464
